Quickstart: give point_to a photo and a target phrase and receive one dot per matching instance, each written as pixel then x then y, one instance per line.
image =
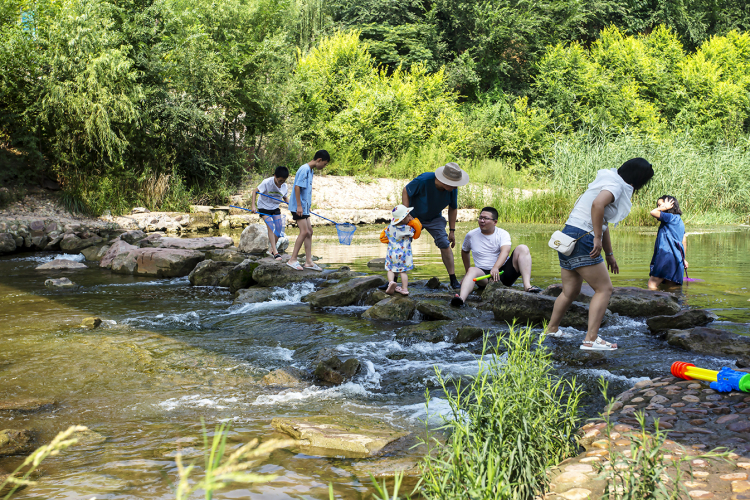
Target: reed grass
pixel 509 423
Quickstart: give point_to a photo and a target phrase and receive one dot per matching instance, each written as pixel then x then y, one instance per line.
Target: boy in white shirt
pixel 491 248
pixel 268 208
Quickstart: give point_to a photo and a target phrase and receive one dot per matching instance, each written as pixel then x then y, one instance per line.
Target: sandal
pixel 391 287
pixel 314 267
pixel 402 291
pixel 533 289
pixel 457 301
pixel 598 345
pixel 277 256
pixel 294 265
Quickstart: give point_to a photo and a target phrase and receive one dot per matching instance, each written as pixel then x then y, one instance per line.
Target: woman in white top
pixel 607 200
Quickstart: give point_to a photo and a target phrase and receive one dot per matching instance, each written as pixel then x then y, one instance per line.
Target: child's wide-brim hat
pixel 399 213
pixel 452 175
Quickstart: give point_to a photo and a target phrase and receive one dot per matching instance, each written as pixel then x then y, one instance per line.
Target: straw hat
pixel 452 175
pixel 399 213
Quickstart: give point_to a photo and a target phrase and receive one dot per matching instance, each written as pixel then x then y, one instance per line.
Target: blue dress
pixel 667 262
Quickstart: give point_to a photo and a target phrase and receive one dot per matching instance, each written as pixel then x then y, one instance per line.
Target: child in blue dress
pixel 668 263
pixel 399 258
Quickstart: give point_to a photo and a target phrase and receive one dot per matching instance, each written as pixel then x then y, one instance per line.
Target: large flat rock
pixel 208 243
pixel 278 274
pixel 712 341
pixel 157 262
pixel 62 264
pixel 683 320
pixel 344 294
pixel 366 437
pixel 530 308
pixel 629 300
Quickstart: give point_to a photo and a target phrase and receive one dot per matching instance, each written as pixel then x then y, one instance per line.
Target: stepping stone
pixel 574 478
pixel 699 463
pixel 735 476
pixel 740 486
pixel 579 468
pixel 701 473
pixel 576 494
pixel 695 484
pixel 700 494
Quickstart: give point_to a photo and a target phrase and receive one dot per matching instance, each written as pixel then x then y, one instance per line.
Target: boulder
pixel 331 369
pixel 362 436
pixel 230 254
pixel 435 310
pixel 468 334
pixel 73 244
pixel 208 243
pixel 91 322
pixel 254 239
pixel 629 300
pixel 427 331
pixel 511 305
pixel 377 263
pixel 210 273
pixel 62 264
pixel 572 355
pixel 95 253
pixel 343 273
pixel 240 276
pixel 27 405
pixel 39 241
pixel 433 283
pixel 683 320
pixel 60 283
pixel 374 296
pixel 157 262
pixel 344 294
pixel 714 342
pixel 279 274
pixel 285 377
pixel 15 442
pixel 253 295
pixel 395 308
pixel 7 243
pixel 117 248
pixel 133 237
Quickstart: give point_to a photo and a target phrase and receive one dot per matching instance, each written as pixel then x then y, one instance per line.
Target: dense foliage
pixel 163 102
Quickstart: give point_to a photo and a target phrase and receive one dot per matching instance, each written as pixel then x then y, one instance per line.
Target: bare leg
pixel 308 244
pixel 522 264
pixel 572 282
pixel 447 255
pixel 304 227
pixel 654 282
pixel 405 282
pixel 271 236
pixel 467 284
pixel 598 277
pixel 391 276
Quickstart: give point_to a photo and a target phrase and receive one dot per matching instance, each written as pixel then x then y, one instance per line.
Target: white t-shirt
pixel 606 180
pixel 486 248
pixel 269 187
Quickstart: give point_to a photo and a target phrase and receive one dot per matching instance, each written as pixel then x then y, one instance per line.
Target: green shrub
pixel 509 423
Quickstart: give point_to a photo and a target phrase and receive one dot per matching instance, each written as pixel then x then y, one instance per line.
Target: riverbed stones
pixel 363 436
pixel 344 294
pixel 231 254
pixel 210 273
pixel 279 274
pixel 208 243
pixel 712 341
pixel 331 369
pixel 91 322
pixel 285 377
pixel 432 310
pixel 374 296
pixel 60 284
pixel 468 334
pixel 253 295
pixel 133 237
pixel 683 320
pixel 95 253
pixel 118 247
pixel 73 244
pixel 26 405
pixel 157 262
pixel 254 239
pixel 394 308
pixel 61 264
pixel 510 305
pixel 629 300
pixel 433 283
pixel 7 243
pixel 240 276
pixel 427 331
pixel 15 442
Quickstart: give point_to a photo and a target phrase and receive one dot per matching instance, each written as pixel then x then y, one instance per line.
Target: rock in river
pixel 73 244
pixel 278 274
pixel 395 308
pixel 240 276
pixel 377 263
pixel 209 243
pixel 714 342
pixel 331 369
pixel 28 405
pixel 61 264
pixel 254 239
pixel 95 253
pixel 362 436
pixel 253 295
pixel 286 377
pixel 59 283
pixel 157 262
pixel 7 243
pixel 629 300
pixel 91 322
pixel 118 247
pixel 681 321
pixel 514 305
pixel 15 442
pixel 210 273
pixel 344 294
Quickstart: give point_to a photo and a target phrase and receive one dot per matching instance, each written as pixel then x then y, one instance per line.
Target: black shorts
pixel 265 211
pixel 510 275
pixel 299 217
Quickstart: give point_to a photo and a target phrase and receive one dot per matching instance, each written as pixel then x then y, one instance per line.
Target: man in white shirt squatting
pixel 491 248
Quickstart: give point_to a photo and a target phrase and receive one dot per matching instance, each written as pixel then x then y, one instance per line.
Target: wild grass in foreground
pixel 509 423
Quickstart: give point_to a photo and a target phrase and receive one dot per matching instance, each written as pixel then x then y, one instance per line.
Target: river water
pixel 170 355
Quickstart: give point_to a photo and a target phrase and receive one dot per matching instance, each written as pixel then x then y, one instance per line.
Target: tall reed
pixel 511 421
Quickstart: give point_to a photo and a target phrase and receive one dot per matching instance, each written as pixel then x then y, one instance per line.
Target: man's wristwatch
pixel 610 254
pixel 452 230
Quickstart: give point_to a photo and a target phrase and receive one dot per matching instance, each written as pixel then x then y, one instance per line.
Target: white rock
pixel 254 239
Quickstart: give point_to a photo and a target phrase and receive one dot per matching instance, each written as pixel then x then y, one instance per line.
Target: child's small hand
pixel 299 211
pixel 666 205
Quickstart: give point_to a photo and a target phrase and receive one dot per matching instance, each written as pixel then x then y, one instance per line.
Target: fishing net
pixel 346 231
pixel 277 223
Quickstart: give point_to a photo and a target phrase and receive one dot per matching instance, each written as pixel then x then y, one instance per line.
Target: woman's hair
pixel 675 208
pixel 636 172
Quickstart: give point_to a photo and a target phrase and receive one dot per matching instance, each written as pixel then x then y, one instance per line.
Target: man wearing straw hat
pixel 429 193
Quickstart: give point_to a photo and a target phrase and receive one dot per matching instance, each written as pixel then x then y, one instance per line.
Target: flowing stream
pixel 170 355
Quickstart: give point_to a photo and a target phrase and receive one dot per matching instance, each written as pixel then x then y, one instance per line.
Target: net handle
pixel 287 204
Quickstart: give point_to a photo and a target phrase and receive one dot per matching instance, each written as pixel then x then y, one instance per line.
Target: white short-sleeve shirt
pixel 485 248
pixel 269 187
pixel 606 180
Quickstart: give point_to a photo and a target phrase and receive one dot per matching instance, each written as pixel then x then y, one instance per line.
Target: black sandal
pixel 277 256
pixel 457 301
pixel 534 289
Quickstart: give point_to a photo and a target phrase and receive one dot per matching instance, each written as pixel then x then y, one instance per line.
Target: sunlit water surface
pixel 171 355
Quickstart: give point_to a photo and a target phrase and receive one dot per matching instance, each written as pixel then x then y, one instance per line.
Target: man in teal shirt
pixel 429 194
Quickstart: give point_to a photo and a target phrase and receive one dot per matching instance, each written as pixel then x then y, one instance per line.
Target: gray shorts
pixel 436 228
